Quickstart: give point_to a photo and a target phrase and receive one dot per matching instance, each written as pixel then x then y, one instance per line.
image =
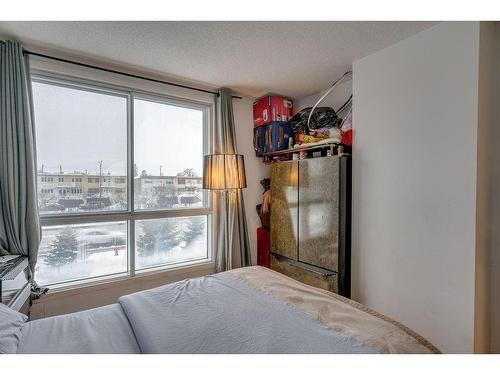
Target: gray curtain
pixel 19 221
pixel 231 238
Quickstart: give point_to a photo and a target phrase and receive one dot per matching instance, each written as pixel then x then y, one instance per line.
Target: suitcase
pixel 277 136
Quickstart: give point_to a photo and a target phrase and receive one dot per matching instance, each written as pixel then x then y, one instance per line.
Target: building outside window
pixel 91 153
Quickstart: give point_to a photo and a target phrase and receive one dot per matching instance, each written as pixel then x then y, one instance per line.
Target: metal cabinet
pixel 310 220
pixel 319 212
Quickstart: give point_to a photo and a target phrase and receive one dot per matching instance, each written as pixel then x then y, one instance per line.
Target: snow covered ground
pixel 110 259
pixel 196 249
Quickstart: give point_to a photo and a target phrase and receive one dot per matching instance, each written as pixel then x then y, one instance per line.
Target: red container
pixel 263 245
pixel 272 108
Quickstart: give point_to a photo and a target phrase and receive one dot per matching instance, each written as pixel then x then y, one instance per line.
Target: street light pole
pixel 100 182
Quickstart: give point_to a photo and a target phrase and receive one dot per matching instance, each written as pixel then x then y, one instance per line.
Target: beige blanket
pixel 338 313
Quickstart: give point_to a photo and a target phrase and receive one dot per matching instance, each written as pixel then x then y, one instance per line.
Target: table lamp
pixel 224 172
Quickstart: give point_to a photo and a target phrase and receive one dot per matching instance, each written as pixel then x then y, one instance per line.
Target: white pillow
pixel 11 323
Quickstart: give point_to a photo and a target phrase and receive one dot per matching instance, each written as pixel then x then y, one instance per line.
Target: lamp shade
pixel 223 171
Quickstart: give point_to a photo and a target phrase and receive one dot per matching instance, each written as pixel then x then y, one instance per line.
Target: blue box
pixel 277 136
pixel 259 140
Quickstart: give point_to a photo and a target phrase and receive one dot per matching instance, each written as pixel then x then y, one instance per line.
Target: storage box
pixel 277 136
pixel 272 108
pixel 259 141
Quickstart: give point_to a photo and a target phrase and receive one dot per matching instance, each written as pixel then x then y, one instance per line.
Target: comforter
pixel 247 310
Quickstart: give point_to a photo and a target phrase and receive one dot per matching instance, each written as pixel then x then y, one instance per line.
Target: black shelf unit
pixel 323 148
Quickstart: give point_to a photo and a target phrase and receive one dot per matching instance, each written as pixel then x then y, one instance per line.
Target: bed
pixel 246 310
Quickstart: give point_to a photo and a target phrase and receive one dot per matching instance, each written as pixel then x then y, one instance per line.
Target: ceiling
pixel 252 58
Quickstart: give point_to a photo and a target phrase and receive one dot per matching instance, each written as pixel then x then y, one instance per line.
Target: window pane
pixel 71 252
pixel 170 240
pixel 82 149
pixel 168 153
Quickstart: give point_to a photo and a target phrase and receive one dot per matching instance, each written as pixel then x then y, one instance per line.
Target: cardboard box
pixel 277 136
pixel 259 141
pixel 271 108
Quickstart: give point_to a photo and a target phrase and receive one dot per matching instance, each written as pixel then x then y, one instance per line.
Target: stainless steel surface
pixel 284 208
pixel 310 224
pixel 319 212
pixel 308 267
pixel 297 271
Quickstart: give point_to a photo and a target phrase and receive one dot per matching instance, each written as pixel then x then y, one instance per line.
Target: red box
pixel 272 108
pixel 263 244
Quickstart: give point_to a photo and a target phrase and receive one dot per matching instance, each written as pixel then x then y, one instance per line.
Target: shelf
pixel 268 156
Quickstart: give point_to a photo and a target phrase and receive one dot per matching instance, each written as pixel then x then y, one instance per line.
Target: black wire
pixel 344 105
pixel 123 73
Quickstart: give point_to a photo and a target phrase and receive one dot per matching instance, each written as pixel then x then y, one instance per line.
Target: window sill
pixel 114 281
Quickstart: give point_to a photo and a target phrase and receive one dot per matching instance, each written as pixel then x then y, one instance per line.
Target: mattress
pixel 247 310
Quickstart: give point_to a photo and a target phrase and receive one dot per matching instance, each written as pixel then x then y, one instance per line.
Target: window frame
pixel 207 141
pixel 131 215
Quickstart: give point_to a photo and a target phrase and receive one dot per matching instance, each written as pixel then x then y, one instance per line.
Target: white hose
pixel 345 77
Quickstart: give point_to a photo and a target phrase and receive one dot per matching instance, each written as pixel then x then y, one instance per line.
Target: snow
pixel 94 261
pixel 196 249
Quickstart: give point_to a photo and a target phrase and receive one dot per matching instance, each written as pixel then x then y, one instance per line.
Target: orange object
pixel 346 137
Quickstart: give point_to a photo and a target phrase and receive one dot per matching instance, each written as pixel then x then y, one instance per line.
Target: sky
pixel 77 128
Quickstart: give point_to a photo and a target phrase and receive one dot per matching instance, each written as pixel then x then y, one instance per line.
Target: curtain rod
pixel 122 73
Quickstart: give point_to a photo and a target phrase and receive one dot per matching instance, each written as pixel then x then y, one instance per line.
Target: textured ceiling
pixel 252 58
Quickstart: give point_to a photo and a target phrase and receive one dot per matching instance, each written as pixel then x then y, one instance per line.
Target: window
pixel 170 240
pixel 132 197
pixel 75 252
pixel 168 144
pixel 74 126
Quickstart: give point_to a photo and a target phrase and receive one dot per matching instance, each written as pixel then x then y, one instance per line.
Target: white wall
pixel 414 182
pixel 255 169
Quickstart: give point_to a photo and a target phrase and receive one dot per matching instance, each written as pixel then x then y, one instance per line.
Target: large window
pixel 118 193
